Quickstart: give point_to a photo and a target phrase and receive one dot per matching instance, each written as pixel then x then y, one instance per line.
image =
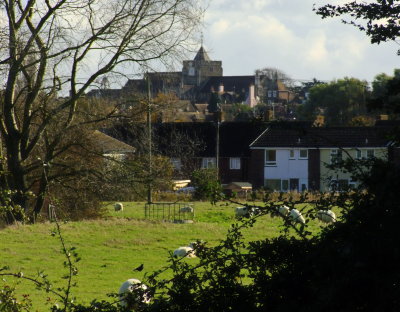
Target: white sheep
pixel 187 209
pixel 118 207
pixel 326 216
pixel 296 216
pixel 282 210
pixel 246 212
pixel 130 286
pixel 184 251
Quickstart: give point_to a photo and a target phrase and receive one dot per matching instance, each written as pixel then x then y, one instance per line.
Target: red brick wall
pixel 314 169
pixel 233 175
pixel 256 168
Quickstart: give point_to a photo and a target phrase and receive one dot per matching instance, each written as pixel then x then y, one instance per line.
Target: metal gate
pixel 173 212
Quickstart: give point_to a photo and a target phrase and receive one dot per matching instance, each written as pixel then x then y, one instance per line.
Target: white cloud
pixel 286 34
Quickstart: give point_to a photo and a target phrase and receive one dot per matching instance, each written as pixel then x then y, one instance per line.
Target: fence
pixel 173 212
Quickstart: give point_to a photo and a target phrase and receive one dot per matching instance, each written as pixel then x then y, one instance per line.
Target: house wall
pixel 327 174
pixel 287 168
pixel 233 175
pixel 314 170
pixel 256 168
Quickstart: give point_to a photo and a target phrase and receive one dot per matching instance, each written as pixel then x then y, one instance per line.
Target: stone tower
pixel 200 68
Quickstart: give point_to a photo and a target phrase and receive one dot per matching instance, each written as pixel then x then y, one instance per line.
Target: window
pixel 274 93
pixel 285 185
pixel 291 154
pixel 358 154
pixel 336 156
pixel 208 162
pixel 270 158
pixel 234 163
pixel 176 163
pixel 273 184
pixel 303 154
pixel 370 153
pixel 269 94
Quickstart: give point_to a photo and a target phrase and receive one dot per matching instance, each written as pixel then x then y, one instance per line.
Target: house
pixel 192 145
pixel 294 156
pixel 198 80
pixel 110 147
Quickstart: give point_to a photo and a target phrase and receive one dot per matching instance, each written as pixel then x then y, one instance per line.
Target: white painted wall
pixel 286 168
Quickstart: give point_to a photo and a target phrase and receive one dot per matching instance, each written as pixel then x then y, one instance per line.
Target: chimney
pixel 221 88
pixel 251 100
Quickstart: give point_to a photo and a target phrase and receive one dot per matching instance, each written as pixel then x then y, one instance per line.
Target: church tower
pixel 200 69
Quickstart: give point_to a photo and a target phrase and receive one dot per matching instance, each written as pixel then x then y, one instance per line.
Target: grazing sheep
pixel 186 209
pixel 130 286
pixel 246 212
pixel 118 207
pixel 296 216
pixel 282 210
pixel 184 251
pixel 326 216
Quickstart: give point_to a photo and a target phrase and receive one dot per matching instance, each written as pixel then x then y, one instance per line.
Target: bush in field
pixel 206 183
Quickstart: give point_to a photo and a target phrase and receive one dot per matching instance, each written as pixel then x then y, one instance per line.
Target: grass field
pixel 110 248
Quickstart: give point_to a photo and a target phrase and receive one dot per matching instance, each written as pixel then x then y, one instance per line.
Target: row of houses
pixel 280 156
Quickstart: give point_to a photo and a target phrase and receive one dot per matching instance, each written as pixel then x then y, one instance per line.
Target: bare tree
pixel 47 47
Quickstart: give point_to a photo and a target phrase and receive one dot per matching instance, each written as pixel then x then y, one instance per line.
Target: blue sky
pixel 286 34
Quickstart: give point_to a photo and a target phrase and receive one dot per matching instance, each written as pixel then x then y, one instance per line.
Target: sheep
pixel 118 207
pixel 296 216
pixel 282 210
pixel 131 286
pixel 184 251
pixel 186 209
pixel 246 212
pixel 326 216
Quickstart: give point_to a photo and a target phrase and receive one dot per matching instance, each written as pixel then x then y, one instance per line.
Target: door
pixel 294 184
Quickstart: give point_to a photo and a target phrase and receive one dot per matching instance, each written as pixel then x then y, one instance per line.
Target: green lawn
pixel 110 248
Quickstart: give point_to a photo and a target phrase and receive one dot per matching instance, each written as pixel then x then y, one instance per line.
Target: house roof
pixel 231 83
pixel 319 137
pixel 202 55
pixel 109 144
pixel 234 137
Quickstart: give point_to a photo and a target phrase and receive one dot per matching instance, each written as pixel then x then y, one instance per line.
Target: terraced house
pixel 295 156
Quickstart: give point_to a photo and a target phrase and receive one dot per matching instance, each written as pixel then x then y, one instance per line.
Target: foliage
pixel 386 94
pixel 51 54
pixel 10 303
pixel 379 19
pixel 214 103
pixel 206 183
pixel 339 101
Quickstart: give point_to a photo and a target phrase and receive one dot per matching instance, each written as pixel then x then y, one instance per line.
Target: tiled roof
pixel 319 137
pixel 230 83
pixel 109 144
pixel 235 137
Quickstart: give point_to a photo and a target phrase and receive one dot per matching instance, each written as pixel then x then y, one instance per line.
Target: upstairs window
pixel 270 157
pixel 303 154
pixel 358 154
pixel 176 163
pixel 291 154
pixel 234 163
pixel 208 162
pixel 336 156
pixel 370 153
